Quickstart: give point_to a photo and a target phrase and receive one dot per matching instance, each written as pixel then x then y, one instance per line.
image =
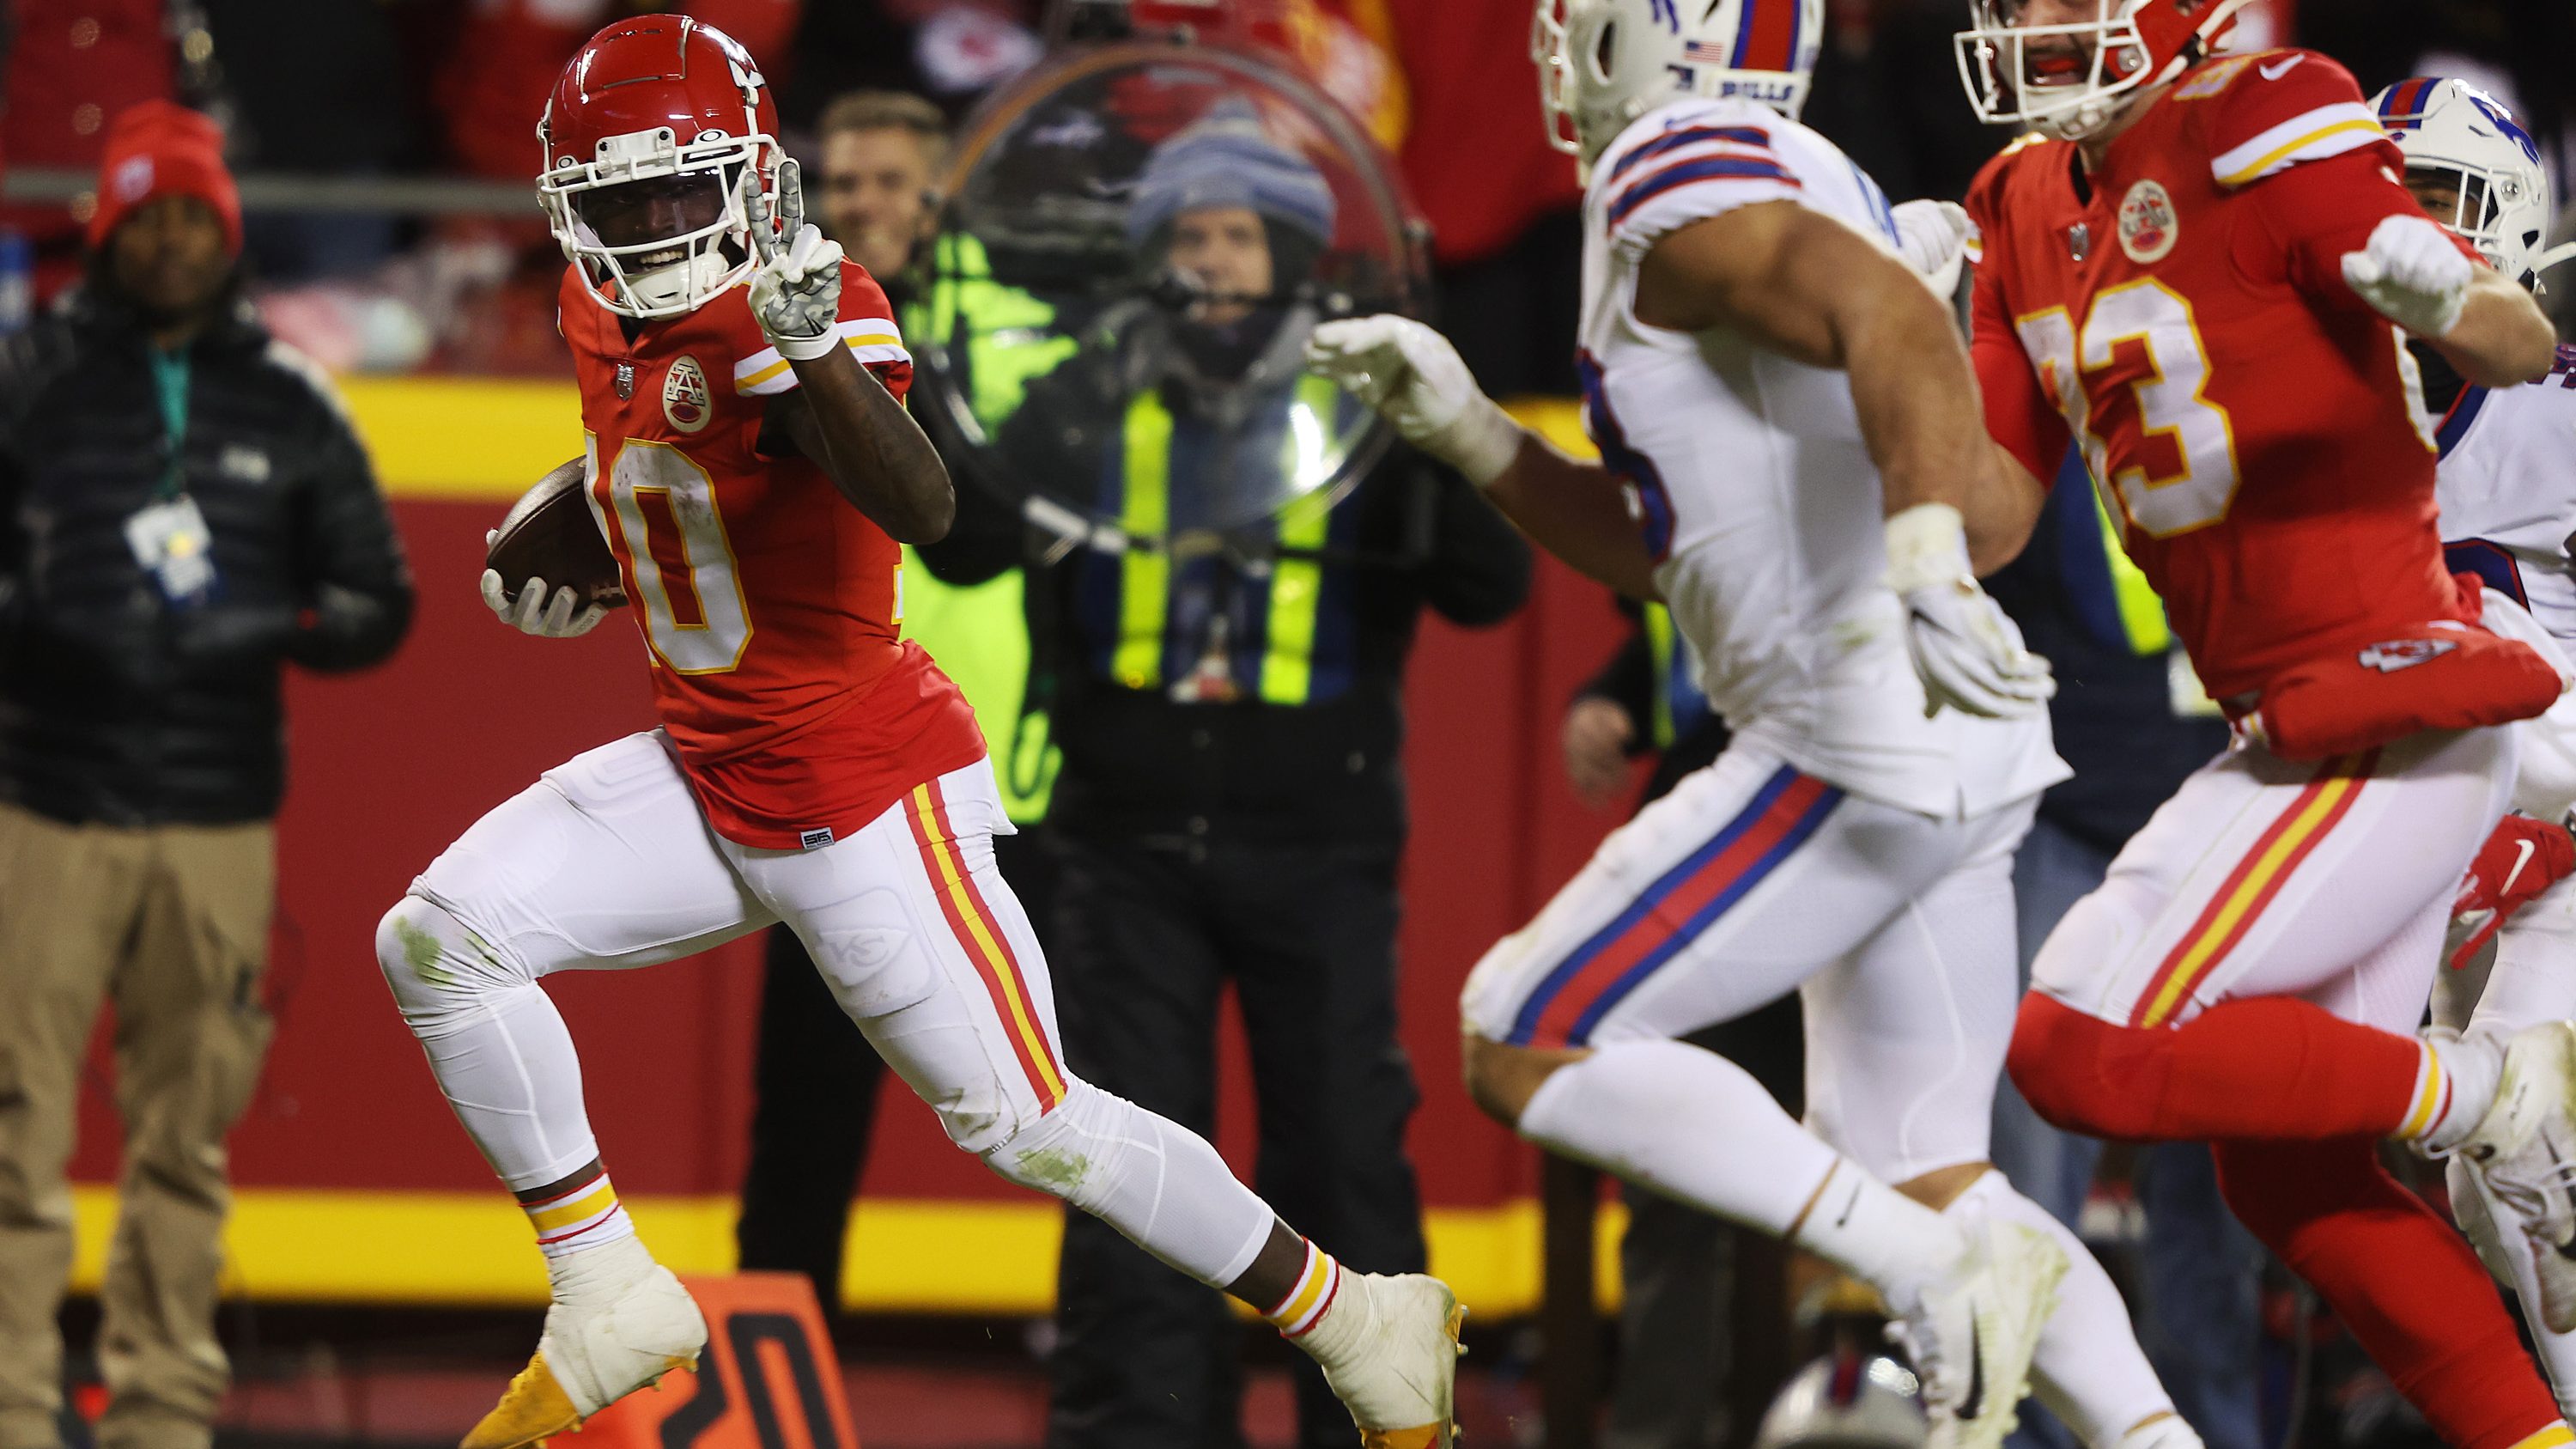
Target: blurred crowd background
pixel 441 262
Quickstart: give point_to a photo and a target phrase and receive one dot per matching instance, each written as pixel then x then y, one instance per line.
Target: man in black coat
pixel 1230 812
pixel 183 509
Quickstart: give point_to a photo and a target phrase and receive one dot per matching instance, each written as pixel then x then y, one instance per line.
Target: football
pixel 549 534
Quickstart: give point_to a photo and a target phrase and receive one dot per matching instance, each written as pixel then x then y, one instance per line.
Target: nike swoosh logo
pixel 2279 69
pixel 2522 857
pixel 1975 1403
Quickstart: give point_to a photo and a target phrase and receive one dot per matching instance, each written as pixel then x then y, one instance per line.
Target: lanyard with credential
pixel 169 535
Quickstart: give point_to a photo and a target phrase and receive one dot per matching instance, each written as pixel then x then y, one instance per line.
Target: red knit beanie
pixel 159 149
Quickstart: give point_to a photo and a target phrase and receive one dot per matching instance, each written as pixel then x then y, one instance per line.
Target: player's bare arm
pixel 1810 288
pixel 843 419
pixel 2502 337
pixel 1576 510
pixel 839 416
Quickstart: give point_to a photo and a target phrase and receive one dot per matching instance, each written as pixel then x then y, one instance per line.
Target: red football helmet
pixel 2040 76
pixel 655 130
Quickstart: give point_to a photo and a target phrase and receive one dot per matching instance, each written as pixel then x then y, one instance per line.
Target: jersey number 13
pixel 2185 475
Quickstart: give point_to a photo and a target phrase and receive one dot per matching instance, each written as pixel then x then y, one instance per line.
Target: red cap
pixel 157 149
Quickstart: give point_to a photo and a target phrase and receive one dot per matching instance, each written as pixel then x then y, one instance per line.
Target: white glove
pixel 1412 375
pixel 1932 236
pixel 2413 274
pixel 532 612
pixel 1966 650
pixel 796 288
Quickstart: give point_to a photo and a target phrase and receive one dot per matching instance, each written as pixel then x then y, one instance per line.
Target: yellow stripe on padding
pixel 590 1204
pixel 998 961
pixel 904 1255
pixel 2263 163
pixel 2180 980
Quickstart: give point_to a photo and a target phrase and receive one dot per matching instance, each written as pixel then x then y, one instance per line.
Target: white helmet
pixel 1604 63
pixel 2452 130
pixel 2135 44
pixel 1848 1401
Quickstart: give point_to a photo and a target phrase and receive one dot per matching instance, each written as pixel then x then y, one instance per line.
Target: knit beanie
pixel 1226 159
pixel 157 149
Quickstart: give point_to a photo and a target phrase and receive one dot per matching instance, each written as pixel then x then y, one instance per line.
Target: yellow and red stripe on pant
pixel 2257 878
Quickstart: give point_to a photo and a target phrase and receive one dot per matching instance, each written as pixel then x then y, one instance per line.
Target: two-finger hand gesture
pixel 796 276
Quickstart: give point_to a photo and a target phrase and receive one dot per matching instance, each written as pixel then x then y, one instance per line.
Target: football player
pixel 2506 482
pixel 1793 413
pixel 753 469
pixel 2203 270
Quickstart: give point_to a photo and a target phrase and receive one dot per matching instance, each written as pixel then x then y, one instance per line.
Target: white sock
pixel 598 1276
pixel 583 1216
pixel 2089 1371
pixel 2455 1083
pixel 1696 1127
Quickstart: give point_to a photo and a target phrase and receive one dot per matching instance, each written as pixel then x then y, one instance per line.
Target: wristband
pixel 1480 442
pixel 1927 547
pixel 804 349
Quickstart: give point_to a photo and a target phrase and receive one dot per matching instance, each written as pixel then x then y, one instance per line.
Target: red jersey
pixel 768 603
pixel 2183 311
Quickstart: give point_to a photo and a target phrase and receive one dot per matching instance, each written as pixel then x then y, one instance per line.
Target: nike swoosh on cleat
pixel 1975 1403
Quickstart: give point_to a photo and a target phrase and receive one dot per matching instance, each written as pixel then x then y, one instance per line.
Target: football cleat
pixel 589 1358
pixel 2523 1152
pixel 1971 1332
pixel 1396 1367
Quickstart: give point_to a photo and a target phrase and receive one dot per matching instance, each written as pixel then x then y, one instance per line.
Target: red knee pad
pixel 2082 1074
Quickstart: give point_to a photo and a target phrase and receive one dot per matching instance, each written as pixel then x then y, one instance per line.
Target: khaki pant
pixel 171 925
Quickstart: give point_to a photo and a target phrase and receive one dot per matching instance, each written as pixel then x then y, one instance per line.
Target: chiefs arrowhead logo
pixel 2148 227
pixel 684 395
pixel 2392 655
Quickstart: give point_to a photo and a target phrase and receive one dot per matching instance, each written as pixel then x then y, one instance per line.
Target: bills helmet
pixel 652 138
pixel 2066 81
pixel 1604 63
pixel 2459 139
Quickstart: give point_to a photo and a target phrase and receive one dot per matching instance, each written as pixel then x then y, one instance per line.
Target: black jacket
pixel 116 708
pixel 1138 764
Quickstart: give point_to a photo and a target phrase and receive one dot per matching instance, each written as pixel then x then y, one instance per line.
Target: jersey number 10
pixel 2195 491
pixel 663 507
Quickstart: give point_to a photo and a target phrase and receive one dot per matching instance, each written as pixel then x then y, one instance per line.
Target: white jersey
pixel 1760 501
pixel 2507 489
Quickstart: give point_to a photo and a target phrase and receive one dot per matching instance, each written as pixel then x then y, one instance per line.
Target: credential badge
pixel 2148 228
pixel 684 395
